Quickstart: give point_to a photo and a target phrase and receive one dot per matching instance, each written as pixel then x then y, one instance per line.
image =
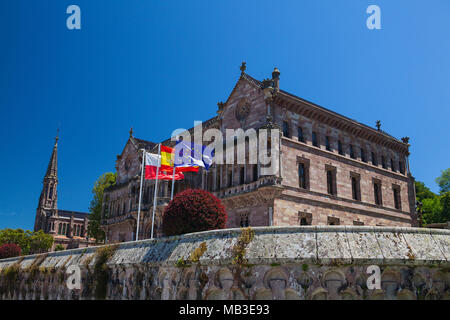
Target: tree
pixel 104 181
pixel 423 192
pixel 9 250
pixel 193 210
pixel 445 202
pixel 444 181
pixel 29 242
pixel 432 210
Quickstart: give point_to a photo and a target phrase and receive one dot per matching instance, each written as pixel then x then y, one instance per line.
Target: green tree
pixel 445 202
pixel 28 241
pixel 432 210
pixel 444 181
pixel 104 181
pixel 423 192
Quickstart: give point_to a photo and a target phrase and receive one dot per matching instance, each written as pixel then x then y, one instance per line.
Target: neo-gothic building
pixel 68 228
pixel 333 170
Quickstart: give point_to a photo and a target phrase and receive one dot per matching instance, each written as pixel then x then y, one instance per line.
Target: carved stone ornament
pixel 242 109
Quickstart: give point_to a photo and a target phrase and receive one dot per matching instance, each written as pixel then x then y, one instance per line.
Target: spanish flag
pixel 168 159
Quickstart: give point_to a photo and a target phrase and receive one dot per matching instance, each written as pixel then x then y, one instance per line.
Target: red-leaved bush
pixel 9 250
pixel 193 210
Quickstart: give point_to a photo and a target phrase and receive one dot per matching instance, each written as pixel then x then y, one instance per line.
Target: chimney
pixel 276 78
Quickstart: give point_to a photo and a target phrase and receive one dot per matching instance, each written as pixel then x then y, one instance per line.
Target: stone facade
pixel 293 263
pixel 333 170
pixel 68 228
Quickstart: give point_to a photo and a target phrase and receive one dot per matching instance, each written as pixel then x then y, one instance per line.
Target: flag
pixel 152 161
pixel 193 155
pixel 168 157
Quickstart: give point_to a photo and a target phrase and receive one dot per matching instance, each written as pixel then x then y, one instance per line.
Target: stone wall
pixel 320 262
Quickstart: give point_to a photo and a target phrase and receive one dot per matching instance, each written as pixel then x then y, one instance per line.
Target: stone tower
pixel 47 206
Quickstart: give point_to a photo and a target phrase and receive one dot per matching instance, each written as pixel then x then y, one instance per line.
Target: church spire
pixel 52 169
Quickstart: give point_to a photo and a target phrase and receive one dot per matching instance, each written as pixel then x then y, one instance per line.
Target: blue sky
pixel 159 65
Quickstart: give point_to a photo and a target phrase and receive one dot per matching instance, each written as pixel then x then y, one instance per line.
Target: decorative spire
pixel 220 105
pixel 52 169
pixel 378 125
pixel 131 132
pixel 243 67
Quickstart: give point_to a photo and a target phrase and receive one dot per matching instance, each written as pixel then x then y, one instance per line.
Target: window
pixel 302 175
pixel 333 221
pixel 331 180
pixel 401 167
pixel 356 191
pixel 374 159
pixel 340 150
pixel 327 143
pixel 50 193
pixel 230 177
pixel 64 229
pixel 383 162
pixel 286 132
pixel 396 193
pixel 68 230
pixel 305 218
pixel 242 175
pixel 300 134
pixel 244 220
pixel 59 228
pixel 314 139
pixel 392 165
pixel 358 223
pixel 352 152
pixel 377 192
pixel 255 172
pixel 363 155
pixel 303 172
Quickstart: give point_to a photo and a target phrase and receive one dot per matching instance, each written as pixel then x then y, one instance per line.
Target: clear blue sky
pixel 159 65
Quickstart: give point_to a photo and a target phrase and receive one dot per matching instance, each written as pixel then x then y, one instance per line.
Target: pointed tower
pixel 47 206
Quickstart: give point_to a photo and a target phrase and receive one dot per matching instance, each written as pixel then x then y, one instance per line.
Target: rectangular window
pixel 333 221
pixel 397 200
pixel 331 181
pixel 401 167
pixel 363 155
pixel 352 152
pixel 286 132
pixel 340 150
pixel 356 193
pixel 358 223
pixel 327 143
pixel 377 192
pixel 300 134
pixel 230 177
pixel 302 175
pixel 374 159
pixel 314 139
pixel 392 165
pixel 242 175
pixel 383 162
pixel 255 172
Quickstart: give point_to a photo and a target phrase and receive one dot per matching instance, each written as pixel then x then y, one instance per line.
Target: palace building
pixel 68 228
pixel 332 170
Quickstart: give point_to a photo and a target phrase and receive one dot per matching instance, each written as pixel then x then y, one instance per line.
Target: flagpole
pixel 140 194
pixel 173 181
pixel 156 188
